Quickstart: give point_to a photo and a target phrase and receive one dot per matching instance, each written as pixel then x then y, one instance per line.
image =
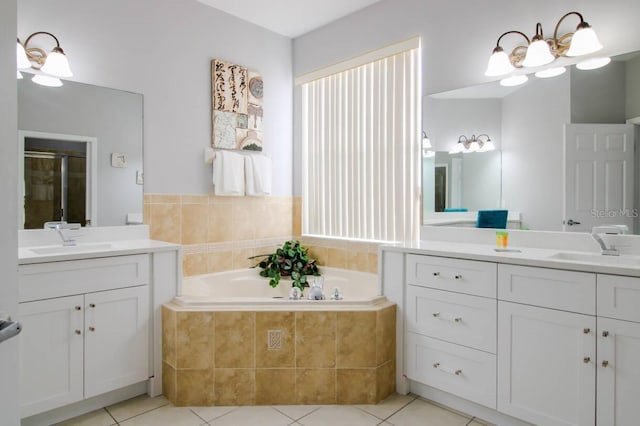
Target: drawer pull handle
pixel 92 305
pixel 436 274
pixel 458 277
pixel 439 315
pixel 447 370
pixel 78 308
pixel 586 359
pixel 605 363
pixel 92 329
pixel 78 332
pixel 586 330
pixel 605 333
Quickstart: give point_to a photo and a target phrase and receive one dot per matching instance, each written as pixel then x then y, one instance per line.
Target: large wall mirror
pixel 532 127
pixel 81 155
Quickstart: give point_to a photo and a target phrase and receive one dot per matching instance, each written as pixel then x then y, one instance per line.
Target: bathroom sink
pixel 599 259
pixel 80 248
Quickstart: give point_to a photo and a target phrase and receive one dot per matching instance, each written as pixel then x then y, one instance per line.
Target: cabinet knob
pixel 586 330
pixel 457 277
pixel 605 333
pixel 605 363
pixel 78 308
pixel 78 332
pixel 436 314
pixel 92 329
pixel 586 359
pixel 92 305
pixel 435 274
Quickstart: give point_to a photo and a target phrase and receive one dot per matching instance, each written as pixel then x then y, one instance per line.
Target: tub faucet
pixel 609 230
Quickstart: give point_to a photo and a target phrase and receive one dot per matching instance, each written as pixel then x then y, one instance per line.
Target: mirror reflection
pixel 544 129
pixel 81 150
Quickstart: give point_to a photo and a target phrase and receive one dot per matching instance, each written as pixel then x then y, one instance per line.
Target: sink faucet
pixel 59 226
pixel 609 230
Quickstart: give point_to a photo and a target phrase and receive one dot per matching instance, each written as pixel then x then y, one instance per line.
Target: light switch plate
pixel 139 177
pixel 118 160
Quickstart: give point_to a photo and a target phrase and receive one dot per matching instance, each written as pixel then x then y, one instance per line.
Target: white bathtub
pixel 245 289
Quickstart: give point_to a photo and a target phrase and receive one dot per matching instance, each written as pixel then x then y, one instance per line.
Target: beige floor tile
pixel 165 416
pixel 132 407
pixel 339 415
pixel 479 422
pixel 420 412
pixel 251 416
pixel 388 407
pixel 94 418
pixel 296 411
pixel 210 413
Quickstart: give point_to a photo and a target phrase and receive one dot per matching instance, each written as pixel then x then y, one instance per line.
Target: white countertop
pixel 27 255
pixel 528 256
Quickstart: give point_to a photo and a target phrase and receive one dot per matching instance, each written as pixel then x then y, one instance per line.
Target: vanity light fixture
pixel 593 63
pixel 539 51
pixel 426 145
pixel 480 143
pixel 52 66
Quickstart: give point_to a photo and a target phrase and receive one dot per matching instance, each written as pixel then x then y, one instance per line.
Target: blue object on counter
pixel 492 219
pixel 453 209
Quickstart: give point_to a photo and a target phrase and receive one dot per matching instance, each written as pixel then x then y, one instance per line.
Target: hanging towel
pixel 257 170
pixel 228 173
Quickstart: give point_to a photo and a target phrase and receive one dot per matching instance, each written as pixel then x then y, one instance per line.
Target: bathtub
pixel 243 288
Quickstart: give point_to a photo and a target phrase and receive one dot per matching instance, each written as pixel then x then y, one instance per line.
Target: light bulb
pixel 21 57
pixel 487 146
pixel 457 148
pixel 426 142
pixel 584 41
pixel 538 54
pixel 57 64
pixel 499 63
pixel 473 146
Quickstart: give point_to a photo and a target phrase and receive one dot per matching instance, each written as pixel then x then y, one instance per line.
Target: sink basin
pixel 599 259
pixel 81 248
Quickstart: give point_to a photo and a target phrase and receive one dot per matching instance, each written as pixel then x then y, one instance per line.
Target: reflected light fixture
pixel 551 72
pixel 480 143
pixel 539 51
pixel 593 63
pixel 51 66
pixel 514 80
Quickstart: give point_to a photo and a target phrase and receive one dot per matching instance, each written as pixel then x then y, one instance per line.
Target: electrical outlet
pixel 139 177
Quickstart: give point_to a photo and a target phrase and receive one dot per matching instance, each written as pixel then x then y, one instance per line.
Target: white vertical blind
pixel 360 136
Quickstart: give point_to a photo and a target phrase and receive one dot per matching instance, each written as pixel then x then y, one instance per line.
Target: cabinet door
pixel 50 353
pixel 117 339
pixel 546 365
pixel 618 372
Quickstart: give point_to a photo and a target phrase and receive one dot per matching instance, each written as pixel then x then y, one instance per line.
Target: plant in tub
pixel 291 260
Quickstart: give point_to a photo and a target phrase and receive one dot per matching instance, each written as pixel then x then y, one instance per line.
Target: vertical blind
pixel 360 138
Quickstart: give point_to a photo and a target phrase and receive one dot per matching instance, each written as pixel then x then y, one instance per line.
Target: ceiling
pixel 290 18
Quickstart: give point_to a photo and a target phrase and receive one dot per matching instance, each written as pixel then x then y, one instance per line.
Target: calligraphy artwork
pixel 236 107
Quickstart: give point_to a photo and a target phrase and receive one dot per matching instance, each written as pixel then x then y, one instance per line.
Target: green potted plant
pixel 290 260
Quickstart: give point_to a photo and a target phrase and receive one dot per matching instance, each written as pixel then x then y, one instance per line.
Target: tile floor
pixel 397 410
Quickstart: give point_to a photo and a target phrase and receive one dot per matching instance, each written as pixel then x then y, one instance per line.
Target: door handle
pixel 572 222
pixel 9 328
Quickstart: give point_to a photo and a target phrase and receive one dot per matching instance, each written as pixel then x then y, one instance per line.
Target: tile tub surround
pixel 220 233
pixel 213 358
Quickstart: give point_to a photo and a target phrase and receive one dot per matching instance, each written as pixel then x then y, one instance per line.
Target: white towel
pixel 228 173
pixel 257 172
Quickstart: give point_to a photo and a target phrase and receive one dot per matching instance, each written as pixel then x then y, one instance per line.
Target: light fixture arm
pixel 37 55
pixel 555 32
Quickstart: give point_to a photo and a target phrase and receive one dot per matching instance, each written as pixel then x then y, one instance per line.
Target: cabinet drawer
pixel 464 372
pixel 462 276
pixel 55 279
pixel 619 297
pixel 550 288
pixel 457 318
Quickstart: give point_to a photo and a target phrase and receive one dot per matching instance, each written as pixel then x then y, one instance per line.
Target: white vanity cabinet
pixel 546 345
pixel 451 326
pixel 618 361
pixel 86 329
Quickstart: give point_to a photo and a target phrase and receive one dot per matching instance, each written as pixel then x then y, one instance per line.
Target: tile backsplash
pixel 221 233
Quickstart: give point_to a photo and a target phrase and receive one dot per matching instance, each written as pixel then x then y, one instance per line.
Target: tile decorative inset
pixel 267 322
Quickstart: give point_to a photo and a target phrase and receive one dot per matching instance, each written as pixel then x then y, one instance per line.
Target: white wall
pixel 9 406
pixel 532 151
pixel 163 49
pixel 632 107
pixel 598 96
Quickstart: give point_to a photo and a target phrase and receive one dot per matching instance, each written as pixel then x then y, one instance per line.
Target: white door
pixel 598 175
pixel 50 354
pixel 546 365
pixel 116 339
pixel 618 372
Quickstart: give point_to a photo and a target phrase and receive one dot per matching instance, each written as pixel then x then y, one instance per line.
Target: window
pixel 360 146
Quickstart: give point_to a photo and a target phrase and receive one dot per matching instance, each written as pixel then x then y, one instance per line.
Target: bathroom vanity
pixel 546 335
pixel 91 317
